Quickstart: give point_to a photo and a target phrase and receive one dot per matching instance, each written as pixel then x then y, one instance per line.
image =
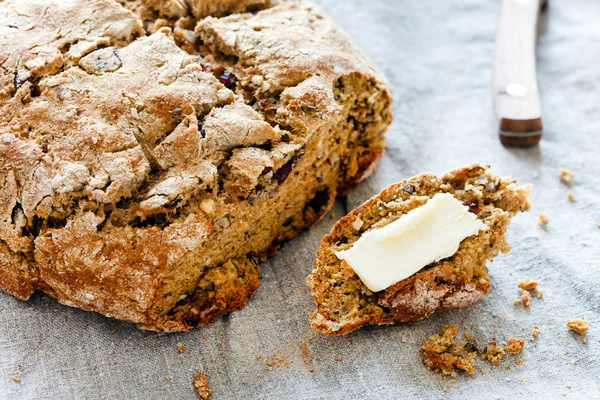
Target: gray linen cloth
pixel 437 55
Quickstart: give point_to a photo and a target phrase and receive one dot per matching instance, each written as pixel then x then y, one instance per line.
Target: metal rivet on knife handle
pixel 516 95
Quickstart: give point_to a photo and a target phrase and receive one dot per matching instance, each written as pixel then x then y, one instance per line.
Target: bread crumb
pixel 16 378
pixel 204 336
pixel 243 382
pixel 566 176
pixel 468 336
pixel 525 298
pixel 573 361
pixel 580 326
pixel 181 348
pixel 527 283
pixel 542 219
pixel 278 359
pixel 570 196
pixel 514 346
pixel 338 358
pixel 494 354
pixel 202 388
pixel 540 295
pixel 535 331
pixel 305 353
pixel 442 354
pixel 517 301
pixel 519 361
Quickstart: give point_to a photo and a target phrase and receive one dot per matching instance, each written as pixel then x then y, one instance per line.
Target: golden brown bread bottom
pixel 344 303
pixel 153 154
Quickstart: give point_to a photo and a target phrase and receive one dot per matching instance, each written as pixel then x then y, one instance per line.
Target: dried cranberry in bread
pixel 344 303
pixel 148 162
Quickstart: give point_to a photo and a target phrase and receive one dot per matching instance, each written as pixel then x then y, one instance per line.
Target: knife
pixel 516 95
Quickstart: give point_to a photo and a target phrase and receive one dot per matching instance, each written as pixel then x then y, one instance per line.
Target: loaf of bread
pixel 344 303
pixel 153 152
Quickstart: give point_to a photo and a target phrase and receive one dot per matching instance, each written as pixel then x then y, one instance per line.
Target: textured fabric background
pixel 437 55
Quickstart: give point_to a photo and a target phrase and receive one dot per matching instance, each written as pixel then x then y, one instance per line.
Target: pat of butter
pixel 384 256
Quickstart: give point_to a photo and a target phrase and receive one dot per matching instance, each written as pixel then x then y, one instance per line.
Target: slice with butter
pixel 384 256
pixel 418 247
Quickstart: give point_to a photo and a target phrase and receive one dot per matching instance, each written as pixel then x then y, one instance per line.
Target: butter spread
pixel 384 256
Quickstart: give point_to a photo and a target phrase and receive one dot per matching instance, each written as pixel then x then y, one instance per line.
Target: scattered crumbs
pixel 525 298
pixel 570 196
pixel 527 283
pixel 514 346
pixel 364 350
pixel 243 382
pixel 168 380
pixel 16 378
pixel 573 361
pixel 258 357
pixel 566 176
pixel 519 361
pixel 220 371
pixel 201 386
pixel 278 359
pixel 204 336
pixel 481 370
pixel 338 358
pixel 549 322
pixel 517 301
pixel 403 339
pixel 494 354
pixel 580 326
pixel 540 295
pixel 584 340
pixel 261 376
pixel 200 358
pixel 181 348
pixel 468 336
pixel 507 368
pixel 542 219
pixel 305 353
pixel 443 355
pixel 535 331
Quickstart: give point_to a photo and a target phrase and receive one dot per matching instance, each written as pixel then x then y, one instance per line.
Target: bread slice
pixel 344 303
pixel 148 166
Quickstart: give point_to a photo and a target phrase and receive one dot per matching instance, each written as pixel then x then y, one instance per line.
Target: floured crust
pixel 343 302
pixel 149 163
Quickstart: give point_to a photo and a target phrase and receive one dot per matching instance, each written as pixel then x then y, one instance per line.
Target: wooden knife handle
pixel 516 93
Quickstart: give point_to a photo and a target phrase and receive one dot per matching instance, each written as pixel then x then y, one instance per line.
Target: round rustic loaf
pixel 153 152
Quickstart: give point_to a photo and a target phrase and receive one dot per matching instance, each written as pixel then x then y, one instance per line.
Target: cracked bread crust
pixel 344 303
pixel 145 175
